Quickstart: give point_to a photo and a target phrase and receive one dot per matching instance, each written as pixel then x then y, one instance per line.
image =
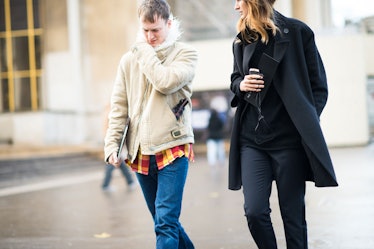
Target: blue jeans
pixel 126 172
pixel 163 191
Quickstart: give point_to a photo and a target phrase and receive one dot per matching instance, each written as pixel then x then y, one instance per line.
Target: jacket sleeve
pixel 236 77
pixel 166 79
pixel 118 112
pixel 316 70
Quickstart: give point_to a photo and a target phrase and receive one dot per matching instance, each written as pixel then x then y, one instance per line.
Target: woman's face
pixel 242 8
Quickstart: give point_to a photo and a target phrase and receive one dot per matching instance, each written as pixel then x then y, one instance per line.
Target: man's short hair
pixel 150 10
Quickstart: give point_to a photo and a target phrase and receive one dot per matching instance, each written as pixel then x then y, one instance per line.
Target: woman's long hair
pixel 258 21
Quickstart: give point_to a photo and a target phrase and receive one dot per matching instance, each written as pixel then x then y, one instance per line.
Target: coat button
pixel 286 30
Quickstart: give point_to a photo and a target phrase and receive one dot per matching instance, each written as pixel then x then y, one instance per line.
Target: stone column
pixel 316 13
pixel 284 6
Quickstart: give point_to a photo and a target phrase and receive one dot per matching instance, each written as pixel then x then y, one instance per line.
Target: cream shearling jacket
pixel 149 83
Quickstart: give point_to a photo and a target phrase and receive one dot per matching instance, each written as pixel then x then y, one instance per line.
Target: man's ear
pixel 168 23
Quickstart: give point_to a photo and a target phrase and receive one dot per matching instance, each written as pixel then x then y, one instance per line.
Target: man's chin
pixel 153 44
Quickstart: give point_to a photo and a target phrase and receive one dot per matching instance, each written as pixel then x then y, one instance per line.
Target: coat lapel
pixel 243 54
pixel 247 55
pixel 268 65
pixel 238 54
pixel 282 37
pixel 281 44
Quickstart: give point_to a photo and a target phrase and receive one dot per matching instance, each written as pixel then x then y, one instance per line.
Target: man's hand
pixel 113 160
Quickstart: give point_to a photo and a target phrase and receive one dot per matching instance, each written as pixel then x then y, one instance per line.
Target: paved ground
pixel 69 210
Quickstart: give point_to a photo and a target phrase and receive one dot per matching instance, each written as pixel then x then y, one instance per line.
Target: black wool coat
pixel 301 83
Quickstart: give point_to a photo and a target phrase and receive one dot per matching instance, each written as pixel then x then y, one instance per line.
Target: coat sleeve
pixel 118 111
pixel 316 70
pixel 236 76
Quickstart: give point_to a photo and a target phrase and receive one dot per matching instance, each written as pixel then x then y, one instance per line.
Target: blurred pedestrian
pixel 126 172
pixel 125 169
pixel 215 139
pixel 153 89
pixel 276 132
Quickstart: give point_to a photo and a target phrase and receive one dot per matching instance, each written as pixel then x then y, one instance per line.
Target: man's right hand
pixel 113 160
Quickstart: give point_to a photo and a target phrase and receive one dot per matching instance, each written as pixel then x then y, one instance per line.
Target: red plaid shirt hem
pixel 163 158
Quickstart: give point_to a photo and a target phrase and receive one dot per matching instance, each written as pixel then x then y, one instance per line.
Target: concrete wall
pixel 345 119
pixel 369 54
pixel 215 65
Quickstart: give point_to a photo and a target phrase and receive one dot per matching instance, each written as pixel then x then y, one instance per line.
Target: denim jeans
pixel 163 191
pixel 126 172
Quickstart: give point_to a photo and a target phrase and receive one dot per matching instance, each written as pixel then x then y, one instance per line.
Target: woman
pixel 276 133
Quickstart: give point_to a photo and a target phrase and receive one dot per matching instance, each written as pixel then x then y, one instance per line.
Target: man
pixel 153 89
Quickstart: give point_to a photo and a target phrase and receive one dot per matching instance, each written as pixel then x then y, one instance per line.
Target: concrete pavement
pixel 70 210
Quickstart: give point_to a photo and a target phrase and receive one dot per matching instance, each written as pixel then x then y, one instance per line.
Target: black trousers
pixel 288 169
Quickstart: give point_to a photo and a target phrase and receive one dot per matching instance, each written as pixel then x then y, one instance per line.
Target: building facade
pixel 59 59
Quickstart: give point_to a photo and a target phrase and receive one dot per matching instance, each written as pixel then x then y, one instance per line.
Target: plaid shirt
pixel 163 158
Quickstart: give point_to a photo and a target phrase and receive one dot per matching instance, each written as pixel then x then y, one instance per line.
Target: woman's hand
pixel 252 83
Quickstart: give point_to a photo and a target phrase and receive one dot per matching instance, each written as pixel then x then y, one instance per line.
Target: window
pixel 20 55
